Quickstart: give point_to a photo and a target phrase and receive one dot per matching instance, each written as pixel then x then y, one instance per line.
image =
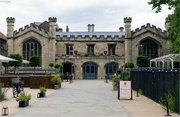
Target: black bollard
pixel 137 92
pixel 167 107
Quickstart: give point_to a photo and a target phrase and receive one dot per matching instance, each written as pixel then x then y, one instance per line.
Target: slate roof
pixel 91 34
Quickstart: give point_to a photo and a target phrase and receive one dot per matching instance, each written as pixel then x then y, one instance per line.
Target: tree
pixel 16 64
pixel 57 66
pixel 6 65
pixel 142 61
pixel 35 61
pixel 130 64
pixel 51 64
pixel 174 30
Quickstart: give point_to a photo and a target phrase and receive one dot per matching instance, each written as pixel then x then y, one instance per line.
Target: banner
pixel 125 90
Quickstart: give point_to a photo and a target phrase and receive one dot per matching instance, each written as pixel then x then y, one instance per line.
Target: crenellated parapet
pixel 52 19
pixel 33 26
pixel 10 19
pixel 127 20
pixel 152 28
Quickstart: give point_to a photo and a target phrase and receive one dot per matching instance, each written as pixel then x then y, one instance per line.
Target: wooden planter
pixel 23 103
pixel 39 95
pixel 57 86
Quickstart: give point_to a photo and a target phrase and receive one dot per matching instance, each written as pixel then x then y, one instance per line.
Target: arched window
pixel 148 48
pixel 31 48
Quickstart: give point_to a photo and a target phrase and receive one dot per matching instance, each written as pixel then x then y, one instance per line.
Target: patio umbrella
pixel 6 59
pixel 25 61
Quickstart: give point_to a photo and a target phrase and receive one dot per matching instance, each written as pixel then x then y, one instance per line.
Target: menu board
pixel 125 90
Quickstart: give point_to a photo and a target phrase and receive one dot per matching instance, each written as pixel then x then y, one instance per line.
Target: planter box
pixel 57 86
pixel 115 88
pixel 39 95
pixel 23 103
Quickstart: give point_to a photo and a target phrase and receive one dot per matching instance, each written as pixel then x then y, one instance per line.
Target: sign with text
pixel 125 90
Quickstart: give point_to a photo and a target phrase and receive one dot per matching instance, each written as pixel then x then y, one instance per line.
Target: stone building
pixel 89 54
pixel 3 44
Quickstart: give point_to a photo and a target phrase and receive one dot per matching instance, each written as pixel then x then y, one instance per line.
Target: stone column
pixel 52 39
pixel 167 22
pixel 128 49
pixel 10 34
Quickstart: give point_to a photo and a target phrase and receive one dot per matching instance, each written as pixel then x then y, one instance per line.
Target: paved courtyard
pixel 82 98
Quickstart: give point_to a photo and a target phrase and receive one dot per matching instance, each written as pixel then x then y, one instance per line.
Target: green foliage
pixel 62 75
pixel 127 78
pixel 126 65
pixel 56 80
pixel 35 61
pixel 174 33
pixel 42 90
pixel 23 97
pixel 51 64
pixel 17 57
pixel 140 91
pixel 57 66
pixel 115 80
pixel 142 61
pixel 171 101
pixel 125 74
pixel 48 74
pixel 2 93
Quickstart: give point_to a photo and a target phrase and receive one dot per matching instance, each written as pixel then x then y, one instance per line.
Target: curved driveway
pixel 82 98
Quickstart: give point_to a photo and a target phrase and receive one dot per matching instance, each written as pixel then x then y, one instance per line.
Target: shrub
pixel 62 75
pixel 115 80
pixel 42 90
pixel 51 64
pixel 48 74
pixel 126 65
pixel 125 73
pixel 130 64
pixel 57 66
pixel 140 91
pixel 142 61
pixel 56 80
pixel 127 78
pixel 171 101
pixel 3 94
pixel 23 97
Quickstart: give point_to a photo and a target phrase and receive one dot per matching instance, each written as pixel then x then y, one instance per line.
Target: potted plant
pixel 115 81
pixel 23 99
pixel 56 80
pixel 42 92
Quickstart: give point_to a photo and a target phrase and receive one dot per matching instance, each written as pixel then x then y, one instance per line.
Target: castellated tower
pixel 10 34
pixel 128 49
pixel 52 39
pixel 167 23
pixel 52 27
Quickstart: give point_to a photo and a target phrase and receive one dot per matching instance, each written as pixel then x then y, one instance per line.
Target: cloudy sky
pixel 107 15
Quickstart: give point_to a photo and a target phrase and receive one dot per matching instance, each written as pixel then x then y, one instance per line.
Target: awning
pixel 6 59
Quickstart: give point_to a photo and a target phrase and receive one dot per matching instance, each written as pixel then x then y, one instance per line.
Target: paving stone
pixel 82 98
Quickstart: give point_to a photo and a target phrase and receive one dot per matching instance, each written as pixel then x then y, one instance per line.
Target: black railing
pixel 155 83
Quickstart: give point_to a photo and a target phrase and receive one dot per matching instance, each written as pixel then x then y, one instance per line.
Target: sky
pixel 106 15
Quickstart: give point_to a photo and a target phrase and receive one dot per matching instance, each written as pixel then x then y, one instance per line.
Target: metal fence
pixel 155 83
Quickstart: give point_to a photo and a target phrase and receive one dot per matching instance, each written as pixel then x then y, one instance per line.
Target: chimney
pixel 67 29
pixel 89 27
pixel 92 26
pixel 121 29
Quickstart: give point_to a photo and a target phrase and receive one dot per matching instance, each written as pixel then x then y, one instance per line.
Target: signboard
pixel 125 90
pixel 75 52
pixel 105 52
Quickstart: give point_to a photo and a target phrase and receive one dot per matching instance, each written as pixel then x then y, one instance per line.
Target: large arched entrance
pixel 111 69
pixel 90 71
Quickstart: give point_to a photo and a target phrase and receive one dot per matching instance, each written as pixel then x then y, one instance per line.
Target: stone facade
pixel 80 49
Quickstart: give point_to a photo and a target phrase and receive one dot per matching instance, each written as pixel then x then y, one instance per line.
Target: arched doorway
pixel 111 69
pixel 90 71
pixel 67 68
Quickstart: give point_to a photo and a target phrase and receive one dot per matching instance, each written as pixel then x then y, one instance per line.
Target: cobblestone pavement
pixel 82 98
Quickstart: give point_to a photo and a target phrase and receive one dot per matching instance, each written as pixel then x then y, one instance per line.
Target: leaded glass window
pixel 31 48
